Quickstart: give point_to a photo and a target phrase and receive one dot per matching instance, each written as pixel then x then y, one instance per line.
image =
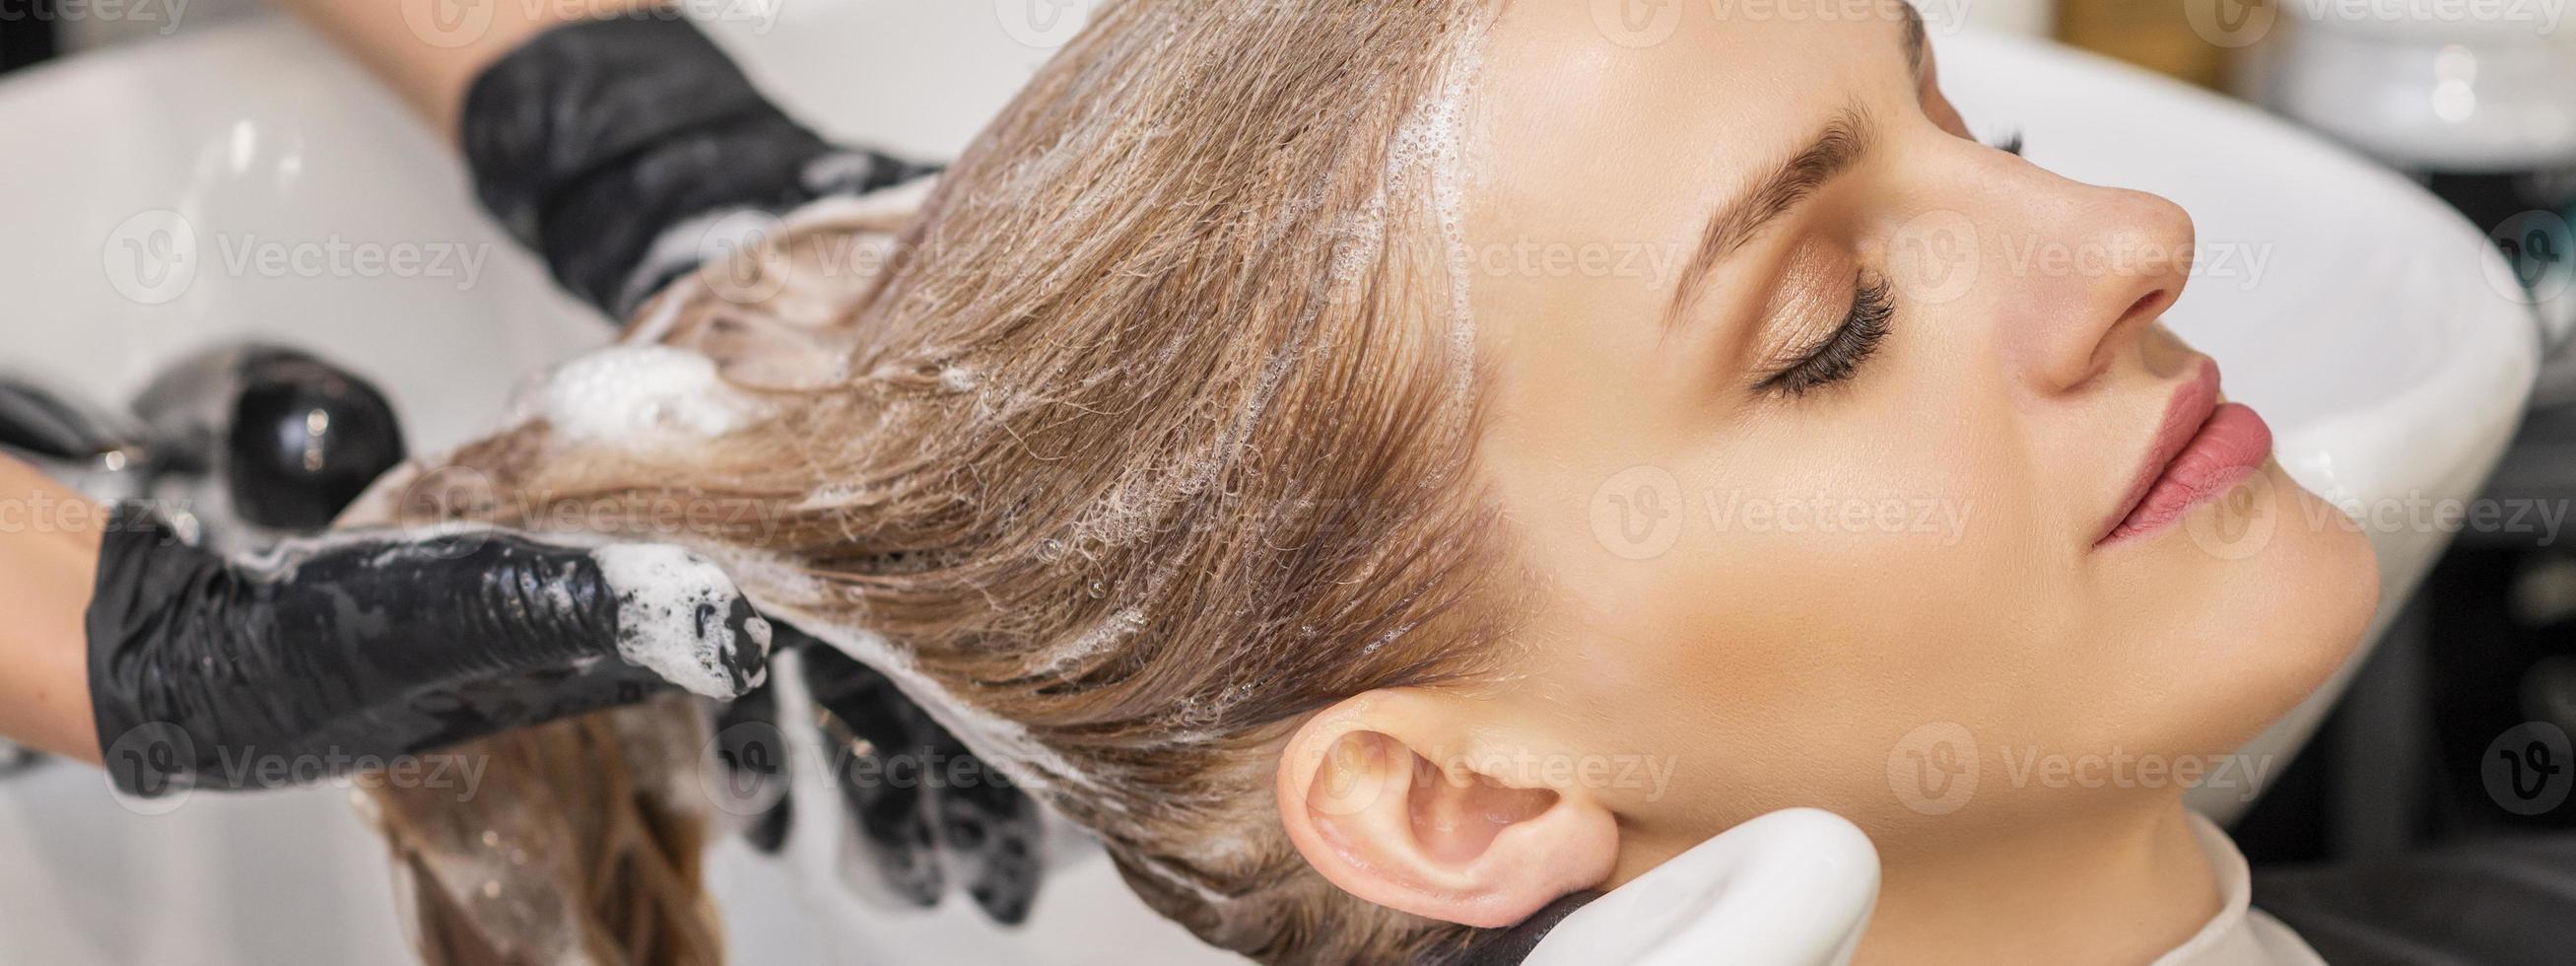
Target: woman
pixel 1202 457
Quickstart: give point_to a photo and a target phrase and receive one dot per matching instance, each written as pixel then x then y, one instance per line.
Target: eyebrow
pixel 1836 147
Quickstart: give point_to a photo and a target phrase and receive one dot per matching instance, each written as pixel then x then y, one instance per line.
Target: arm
pixel 48 550
pixel 431 70
pixel 333 649
pixel 611 147
pixel 603 146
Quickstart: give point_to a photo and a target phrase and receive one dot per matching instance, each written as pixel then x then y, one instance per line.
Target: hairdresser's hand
pixel 211 672
pixel 921 812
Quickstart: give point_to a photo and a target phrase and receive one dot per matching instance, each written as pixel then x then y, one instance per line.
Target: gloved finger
pixel 989 826
pixel 754 755
pixel 876 758
pixel 388 643
pixel 925 793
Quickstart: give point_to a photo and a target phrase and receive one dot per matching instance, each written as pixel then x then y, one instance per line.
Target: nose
pixel 2130 256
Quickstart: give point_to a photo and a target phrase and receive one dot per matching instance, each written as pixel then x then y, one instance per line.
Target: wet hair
pixel 1146 436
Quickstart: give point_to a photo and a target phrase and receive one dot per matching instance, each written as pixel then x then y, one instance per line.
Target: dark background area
pixel 26 33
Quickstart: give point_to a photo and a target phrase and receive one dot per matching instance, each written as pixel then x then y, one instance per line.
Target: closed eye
pixel 1840 353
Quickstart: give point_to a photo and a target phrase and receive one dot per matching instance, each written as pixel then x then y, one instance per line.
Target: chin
pixel 2320 588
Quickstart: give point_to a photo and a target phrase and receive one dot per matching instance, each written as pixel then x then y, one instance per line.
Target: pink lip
pixel 2203 448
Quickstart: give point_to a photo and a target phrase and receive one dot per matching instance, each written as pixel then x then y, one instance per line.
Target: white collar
pixel 1796 887
pixel 2240 935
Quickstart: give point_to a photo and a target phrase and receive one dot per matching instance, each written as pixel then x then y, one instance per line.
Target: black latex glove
pixel 911 790
pixel 210 672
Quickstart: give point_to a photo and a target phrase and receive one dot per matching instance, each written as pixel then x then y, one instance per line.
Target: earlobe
pixel 1391 797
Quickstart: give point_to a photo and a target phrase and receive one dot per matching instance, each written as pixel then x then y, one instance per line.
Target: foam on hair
pixel 1148 440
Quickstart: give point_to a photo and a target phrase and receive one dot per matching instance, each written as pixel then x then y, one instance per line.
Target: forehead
pixel 1609 105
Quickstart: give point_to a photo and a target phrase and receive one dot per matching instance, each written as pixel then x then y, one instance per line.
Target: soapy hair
pixel 1145 435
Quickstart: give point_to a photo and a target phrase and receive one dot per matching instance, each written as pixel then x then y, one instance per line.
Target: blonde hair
pixel 1151 436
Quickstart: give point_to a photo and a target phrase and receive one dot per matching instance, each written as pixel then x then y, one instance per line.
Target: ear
pixel 1403 798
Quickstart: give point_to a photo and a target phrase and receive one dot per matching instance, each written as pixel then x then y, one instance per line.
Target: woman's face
pixel 1826 461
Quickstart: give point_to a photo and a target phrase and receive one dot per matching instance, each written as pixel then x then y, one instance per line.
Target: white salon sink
pixel 2372 338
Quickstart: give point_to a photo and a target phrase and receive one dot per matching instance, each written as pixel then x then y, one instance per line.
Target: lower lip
pixel 2229 447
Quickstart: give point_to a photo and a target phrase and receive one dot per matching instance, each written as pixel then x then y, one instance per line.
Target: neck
pixel 2124 888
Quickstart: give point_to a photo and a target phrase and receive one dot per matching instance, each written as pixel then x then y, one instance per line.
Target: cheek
pixel 1820 598
pixel 2236 618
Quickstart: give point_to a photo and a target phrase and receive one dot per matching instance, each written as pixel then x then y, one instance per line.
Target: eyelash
pixel 1840 354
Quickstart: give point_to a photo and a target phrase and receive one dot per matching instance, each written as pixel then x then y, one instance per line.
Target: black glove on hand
pixel 332 654
pixel 910 789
